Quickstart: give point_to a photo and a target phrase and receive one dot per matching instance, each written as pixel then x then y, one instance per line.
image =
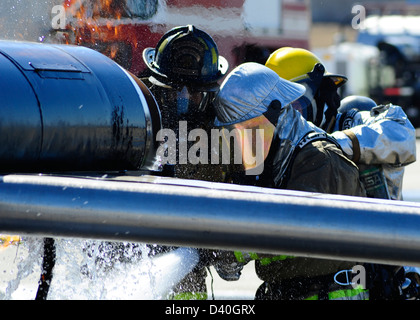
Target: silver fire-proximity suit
pixel 385 137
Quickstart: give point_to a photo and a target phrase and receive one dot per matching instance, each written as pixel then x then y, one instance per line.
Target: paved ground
pixel 411 183
pixel 243 289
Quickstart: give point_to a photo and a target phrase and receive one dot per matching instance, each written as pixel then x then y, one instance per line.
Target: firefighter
pixel 184 70
pixel 379 139
pixel 384 136
pixel 382 179
pixel 321 100
pixel 296 155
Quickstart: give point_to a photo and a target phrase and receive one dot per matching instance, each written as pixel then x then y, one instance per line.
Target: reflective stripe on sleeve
pixel 244 257
pixel 347 294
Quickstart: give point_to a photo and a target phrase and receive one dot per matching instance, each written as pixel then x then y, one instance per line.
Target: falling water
pixel 93 270
pixel 18 266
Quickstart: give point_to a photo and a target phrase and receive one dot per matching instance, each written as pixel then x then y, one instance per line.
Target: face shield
pixel 184 103
pixel 248 106
pixel 246 144
pixel 185 100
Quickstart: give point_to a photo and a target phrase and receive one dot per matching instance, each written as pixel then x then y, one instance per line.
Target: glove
pixel 347 119
pixel 411 285
pixel 227 266
pixel 385 282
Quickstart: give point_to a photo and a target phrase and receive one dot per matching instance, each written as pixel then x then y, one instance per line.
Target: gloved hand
pixel 227 266
pixel 224 262
pixel 348 119
pixel 411 285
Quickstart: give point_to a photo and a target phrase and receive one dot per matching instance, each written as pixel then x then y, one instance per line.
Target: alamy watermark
pixel 222 147
pixel 358 21
pixel 356 277
pixel 58 20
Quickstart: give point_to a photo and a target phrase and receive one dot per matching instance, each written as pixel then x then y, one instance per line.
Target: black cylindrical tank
pixel 71 108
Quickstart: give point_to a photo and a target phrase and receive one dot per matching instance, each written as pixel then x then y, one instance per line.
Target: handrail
pixel 212 215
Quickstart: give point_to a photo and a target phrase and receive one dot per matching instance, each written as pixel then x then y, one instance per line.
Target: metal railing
pixel 212 215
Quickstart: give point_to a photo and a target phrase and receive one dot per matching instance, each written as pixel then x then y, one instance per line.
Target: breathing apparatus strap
pixel 346 122
pixel 313 136
pixel 356 145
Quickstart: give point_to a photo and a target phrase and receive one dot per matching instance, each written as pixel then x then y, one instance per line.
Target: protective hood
pixel 247 92
pixel 290 131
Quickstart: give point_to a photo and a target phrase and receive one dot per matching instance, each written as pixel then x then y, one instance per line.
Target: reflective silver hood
pixel 291 128
pixel 247 92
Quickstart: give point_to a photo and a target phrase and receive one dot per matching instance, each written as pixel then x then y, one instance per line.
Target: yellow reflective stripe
pixel 189 296
pixel 267 261
pixel 240 257
pixel 359 293
pixel 214 55
pixel 349 293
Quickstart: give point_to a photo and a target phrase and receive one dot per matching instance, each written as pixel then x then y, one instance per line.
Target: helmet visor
pixel 337 79
pixel 184 100
pixel 251 143
pixel 184 105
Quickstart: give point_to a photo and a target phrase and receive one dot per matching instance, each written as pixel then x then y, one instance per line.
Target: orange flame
pixel 113 51
pixel 97 24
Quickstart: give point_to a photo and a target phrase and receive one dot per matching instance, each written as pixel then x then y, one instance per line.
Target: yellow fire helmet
pixel 295 64
pixel 321 100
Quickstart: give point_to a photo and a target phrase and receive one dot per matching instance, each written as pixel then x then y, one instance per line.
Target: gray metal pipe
pixel 212 215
